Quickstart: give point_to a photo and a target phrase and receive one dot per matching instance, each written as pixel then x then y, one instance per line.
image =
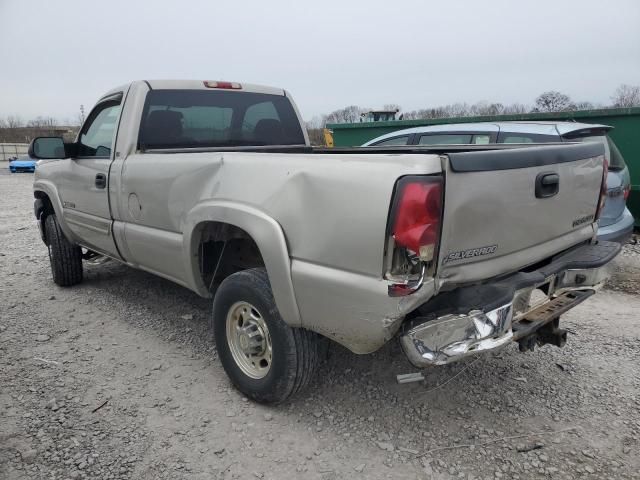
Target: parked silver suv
pixel 616 222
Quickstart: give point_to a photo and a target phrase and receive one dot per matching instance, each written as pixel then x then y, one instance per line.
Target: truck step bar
pixel 548 312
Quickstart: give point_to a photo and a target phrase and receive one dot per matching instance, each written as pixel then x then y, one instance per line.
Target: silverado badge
pixel 472 252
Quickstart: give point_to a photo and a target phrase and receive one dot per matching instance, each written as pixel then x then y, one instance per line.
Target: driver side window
pixel 97 134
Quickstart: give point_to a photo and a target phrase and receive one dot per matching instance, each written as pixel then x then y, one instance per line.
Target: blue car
pixel 24 164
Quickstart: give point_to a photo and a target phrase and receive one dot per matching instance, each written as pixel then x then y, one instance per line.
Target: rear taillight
pixel 414 231
pixel 626 192
pixel 603 188
pixel 416 225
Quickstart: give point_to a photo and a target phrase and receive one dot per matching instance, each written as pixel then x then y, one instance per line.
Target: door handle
pixel 101 180
pixel 547 184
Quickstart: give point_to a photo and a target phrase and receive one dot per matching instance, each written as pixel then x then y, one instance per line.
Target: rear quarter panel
pixel 332 210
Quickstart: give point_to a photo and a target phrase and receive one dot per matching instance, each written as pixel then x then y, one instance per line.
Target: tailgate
pixel 501 213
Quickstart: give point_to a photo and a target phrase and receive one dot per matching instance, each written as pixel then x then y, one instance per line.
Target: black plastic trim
pixel 547 184
pixel 538 156
pixel 112 97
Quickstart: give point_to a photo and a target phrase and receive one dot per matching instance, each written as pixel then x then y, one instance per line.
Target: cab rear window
pixel 203 118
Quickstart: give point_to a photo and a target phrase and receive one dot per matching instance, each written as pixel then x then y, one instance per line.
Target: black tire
pixel 65 257
pixel 296 352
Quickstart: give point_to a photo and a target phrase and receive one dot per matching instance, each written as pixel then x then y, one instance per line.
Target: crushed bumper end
pixel 452 337
pixel 510 313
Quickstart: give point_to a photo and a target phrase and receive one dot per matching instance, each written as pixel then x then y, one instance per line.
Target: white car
pixel 616 222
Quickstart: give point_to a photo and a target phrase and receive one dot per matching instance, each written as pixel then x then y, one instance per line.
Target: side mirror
pixel 47 148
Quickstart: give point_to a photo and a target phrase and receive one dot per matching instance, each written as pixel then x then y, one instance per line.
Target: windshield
pixel 614 157
pixel 200 118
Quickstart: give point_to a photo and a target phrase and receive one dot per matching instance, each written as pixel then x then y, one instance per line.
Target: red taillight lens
pixel 626 192
pixel 603 188
pixel 417 215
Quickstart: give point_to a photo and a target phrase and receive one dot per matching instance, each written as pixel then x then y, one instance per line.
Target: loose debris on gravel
pixel 118 378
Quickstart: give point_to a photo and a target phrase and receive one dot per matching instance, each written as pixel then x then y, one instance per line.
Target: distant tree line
pixel 13 129
pixel 39 124
pixel 552 101
pixel 14 121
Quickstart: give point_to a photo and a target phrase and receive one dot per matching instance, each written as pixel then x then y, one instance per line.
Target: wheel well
pixel 45 207
pixel 42 208
pixel 224 249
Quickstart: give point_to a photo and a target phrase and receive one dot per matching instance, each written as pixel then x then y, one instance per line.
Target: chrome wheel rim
pixel 249 340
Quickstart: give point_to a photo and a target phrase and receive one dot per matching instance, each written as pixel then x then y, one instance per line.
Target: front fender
pixel 51 191
pixel 269 238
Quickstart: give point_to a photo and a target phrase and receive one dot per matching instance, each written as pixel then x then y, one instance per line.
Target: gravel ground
pixel 118 378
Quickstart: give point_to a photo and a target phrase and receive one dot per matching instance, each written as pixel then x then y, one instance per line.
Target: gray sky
pixel 58 54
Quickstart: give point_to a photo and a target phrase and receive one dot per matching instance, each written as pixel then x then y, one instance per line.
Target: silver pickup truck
pixel 455 250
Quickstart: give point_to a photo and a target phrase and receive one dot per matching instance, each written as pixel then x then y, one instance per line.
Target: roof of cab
pixel 196 85
pixel 199 85
pixel 535 127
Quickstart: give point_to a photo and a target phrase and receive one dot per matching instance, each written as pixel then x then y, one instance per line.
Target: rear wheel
pixel 65 257
pixel 266 359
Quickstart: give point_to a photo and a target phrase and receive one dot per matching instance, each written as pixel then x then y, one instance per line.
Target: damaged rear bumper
pixel 485 317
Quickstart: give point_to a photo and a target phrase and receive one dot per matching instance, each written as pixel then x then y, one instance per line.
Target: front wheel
pixel 65 257
pixel 266 359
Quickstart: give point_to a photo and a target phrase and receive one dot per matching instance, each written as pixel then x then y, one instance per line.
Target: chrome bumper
pixel 451 337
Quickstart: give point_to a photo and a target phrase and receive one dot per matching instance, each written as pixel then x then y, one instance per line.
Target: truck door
pixel 85 186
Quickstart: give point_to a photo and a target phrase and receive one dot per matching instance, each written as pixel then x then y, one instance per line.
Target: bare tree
pixel 584 105
pixel 350 114
pixel 515 109
pixel 43 122
pixel 626 96
pixel 411 115
pixel 14 121
pixel 316 135
pixel 553 101
pixel 484 108
pixel 392 107
pixel 318 121
pixel 437 112
pixel 81 116
pixel 3 124
pixel 456 110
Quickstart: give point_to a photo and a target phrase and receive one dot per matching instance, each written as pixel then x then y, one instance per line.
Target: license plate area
pixel 549 311
pixel 530 298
